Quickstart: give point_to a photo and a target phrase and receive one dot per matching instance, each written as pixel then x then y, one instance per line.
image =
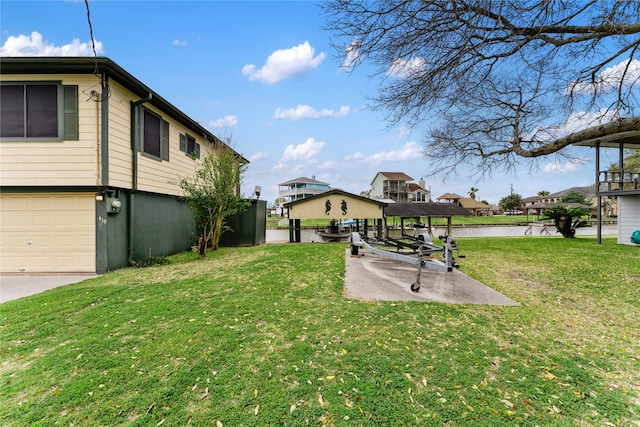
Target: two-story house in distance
pixel 90 160
pixel 396 187
pixel 301 188
pixel 390 186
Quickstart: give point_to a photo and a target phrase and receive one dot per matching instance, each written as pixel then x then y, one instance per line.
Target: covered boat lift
pixel 416 211
pixel 335 205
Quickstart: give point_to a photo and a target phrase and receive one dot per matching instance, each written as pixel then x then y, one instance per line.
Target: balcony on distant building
pixel 301 188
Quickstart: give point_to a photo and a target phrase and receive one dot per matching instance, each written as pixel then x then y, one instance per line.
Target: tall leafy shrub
pixel 212 193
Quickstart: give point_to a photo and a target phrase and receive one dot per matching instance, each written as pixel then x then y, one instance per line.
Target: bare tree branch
pixel 496 79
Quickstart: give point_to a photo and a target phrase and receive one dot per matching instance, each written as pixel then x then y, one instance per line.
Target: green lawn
pixel 264 337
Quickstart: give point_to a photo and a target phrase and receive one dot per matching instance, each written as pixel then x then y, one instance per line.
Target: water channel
pixel 533 229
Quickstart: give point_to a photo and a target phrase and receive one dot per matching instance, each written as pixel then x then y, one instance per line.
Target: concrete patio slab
pixel 373 277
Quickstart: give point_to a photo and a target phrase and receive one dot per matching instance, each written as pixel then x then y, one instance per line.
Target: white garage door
pixel 47 233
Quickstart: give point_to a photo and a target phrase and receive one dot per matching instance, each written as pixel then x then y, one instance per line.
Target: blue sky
pixel 262 74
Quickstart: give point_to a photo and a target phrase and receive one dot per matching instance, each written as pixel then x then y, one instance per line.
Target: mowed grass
pixel 265 336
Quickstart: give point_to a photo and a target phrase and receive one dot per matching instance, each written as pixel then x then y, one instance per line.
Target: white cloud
pixel 285 63
pixel 404 132
pixel 571 166
pixel 258 156
pixel 609 79
pixel 328 164
pixel 182 43
pixel 401 68
pixel 309 149
pixel 301 152
pixel 35 45
pixel 355 157
pixel 291 171
pixel 225 122
pixel 410 151
pixel 352 53
pixel 307 112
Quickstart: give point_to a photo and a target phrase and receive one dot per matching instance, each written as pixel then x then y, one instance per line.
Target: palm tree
pixel 472 192
pixel 567 219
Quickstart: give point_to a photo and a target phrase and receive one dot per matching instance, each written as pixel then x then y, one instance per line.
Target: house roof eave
pixel 105 66
pixel 334 191
pixel 630 139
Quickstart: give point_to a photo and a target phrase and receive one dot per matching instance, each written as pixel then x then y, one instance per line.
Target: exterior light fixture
pixel 99 197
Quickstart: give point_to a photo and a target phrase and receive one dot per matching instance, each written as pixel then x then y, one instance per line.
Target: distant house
pixel 589 192
pixel 536 205
pixel 391 186
pixel 301 188
pixel 417 193
pixel 449 198
pixel 89 165
pixel 472 205
pixel 396 187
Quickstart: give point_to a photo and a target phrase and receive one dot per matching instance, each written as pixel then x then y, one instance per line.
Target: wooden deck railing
pixel 625 179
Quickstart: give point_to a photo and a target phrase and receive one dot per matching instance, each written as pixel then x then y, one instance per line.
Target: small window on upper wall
pixel 189 145
pixel 155 135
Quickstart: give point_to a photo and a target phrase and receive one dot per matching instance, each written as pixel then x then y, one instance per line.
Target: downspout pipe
pixel 104 123
pixel 135 139
pixel 135 143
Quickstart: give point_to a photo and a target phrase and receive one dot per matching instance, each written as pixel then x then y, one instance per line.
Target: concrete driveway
pixel 18 286
pixel 373 277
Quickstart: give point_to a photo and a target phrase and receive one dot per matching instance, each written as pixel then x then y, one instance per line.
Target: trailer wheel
pixel 415 287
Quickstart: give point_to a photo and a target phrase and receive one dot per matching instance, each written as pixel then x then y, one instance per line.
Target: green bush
pixel 151 261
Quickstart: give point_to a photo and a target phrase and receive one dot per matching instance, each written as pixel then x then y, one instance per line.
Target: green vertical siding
pixel 117 239
pixel 248 228
pixel 111 235
pixel 162 225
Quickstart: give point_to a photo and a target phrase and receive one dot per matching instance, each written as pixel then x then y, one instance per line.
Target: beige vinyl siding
pixel 120 136
pixel 56 163
pixel 47 233
pixel 628 218
pixel 161 176
pixel 153 175
pixel 315 208
pixel 376 187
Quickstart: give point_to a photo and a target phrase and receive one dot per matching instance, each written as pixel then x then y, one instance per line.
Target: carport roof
pixel 414 210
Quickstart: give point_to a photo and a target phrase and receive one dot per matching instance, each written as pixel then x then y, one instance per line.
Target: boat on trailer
pixel 335 232
pixel 422 249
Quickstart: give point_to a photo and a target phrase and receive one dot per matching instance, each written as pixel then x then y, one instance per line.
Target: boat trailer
pixel 421 256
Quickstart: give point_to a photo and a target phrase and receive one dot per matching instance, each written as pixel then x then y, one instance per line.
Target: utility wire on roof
pixel 103 83
pixel 93 42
